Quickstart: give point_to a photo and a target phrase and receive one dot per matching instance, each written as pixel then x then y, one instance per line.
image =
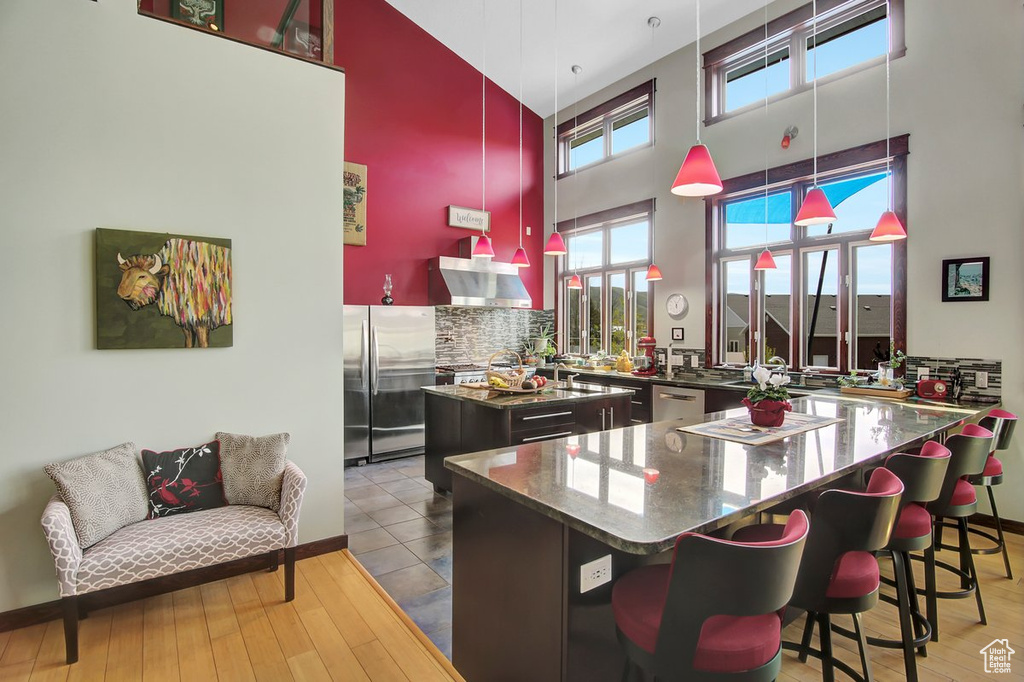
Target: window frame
pixel 792 29
pixel 797 178
pixel 604 221
pixel 603 117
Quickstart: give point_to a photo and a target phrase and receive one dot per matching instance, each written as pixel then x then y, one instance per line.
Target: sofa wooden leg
pixel 273 561
pixel 70 608
pixel 289 573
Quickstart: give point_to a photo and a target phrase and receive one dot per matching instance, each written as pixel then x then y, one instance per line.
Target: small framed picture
pixel 965 279
pixel 677 333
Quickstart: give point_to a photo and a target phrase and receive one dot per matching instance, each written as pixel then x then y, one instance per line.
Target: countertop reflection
pixel 636 489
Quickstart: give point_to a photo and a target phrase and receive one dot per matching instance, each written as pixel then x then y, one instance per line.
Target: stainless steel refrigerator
pixel 389 356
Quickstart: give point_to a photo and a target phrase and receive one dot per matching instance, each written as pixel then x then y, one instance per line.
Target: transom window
pixel 619 125
pixel 851 35
pixel 610 252
pixel 834 301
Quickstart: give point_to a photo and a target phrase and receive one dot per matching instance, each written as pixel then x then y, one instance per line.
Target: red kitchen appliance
pixel 646 346
pixel 933 388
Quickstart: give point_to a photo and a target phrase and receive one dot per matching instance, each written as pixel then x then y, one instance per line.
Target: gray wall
pixel 958 92
pixel 115 120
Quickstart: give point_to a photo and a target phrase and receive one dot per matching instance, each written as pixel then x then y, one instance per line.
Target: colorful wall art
pixel 355 204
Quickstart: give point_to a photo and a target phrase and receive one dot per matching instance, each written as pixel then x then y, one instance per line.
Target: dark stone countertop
pixel 595 482
pixel 552 395
pixel 680 379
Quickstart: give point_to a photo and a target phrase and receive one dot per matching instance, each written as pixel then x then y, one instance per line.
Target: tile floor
pixel 400 531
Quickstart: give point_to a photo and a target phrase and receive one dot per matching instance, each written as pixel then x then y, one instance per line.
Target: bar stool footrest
pixel 839 665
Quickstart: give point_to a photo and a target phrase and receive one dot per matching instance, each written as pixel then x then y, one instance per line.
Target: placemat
pixel 740 430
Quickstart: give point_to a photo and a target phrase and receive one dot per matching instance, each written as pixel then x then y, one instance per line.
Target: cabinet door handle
pixel 672 396
pixel 611 417
pixel 549 435
pixel 546 416
pixel 603 427
pixel 637 421
pixel 636 402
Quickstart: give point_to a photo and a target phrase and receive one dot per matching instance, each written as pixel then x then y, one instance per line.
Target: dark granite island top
pixel 595 482
pixel 553 395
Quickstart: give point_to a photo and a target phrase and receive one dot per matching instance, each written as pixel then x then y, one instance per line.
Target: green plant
pixel 850 380
pixel 896 357
pixel 769 386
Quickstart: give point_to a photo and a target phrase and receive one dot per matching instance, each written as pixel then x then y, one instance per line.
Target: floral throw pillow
pixel 183 480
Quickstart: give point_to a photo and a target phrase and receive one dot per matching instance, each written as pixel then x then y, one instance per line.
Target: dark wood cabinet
pixel 601 415
pixel 641 411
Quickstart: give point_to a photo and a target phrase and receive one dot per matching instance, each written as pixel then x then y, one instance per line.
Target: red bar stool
pixel 839 572
pixel 714 613
pixel 1001 423
pixel 922 476
pixel 969 450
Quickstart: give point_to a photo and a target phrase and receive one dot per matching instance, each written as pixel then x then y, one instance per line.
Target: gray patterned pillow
pixel 252 468
pixel 104 491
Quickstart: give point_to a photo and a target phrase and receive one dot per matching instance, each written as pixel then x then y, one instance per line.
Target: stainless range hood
pixel 475 282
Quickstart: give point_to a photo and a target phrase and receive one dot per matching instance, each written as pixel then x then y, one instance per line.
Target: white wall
pixel 110 119
pixel 958 91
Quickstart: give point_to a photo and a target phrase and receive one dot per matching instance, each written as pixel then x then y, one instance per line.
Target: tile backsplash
pixel 940 368
pixel 465 334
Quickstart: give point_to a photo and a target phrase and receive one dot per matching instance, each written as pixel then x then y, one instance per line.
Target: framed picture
pixel 677 333
pixel 355 204
pixel 965 279
pixel 201 13
pixel 469 218
pixel 304 40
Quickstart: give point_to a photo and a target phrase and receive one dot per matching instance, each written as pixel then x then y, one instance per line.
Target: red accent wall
pixel 413 118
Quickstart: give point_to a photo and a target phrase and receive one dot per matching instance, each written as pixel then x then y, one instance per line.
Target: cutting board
pixel 877 392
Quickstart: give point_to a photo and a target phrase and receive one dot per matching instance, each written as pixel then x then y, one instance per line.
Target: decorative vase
pixel 886 374
pixel 767 412
pixel 387 300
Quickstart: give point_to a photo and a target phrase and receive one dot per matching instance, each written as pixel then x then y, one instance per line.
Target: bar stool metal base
pixel 967 573
pixel 829 663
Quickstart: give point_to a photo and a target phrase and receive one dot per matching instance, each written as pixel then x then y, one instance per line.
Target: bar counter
pixel 526 519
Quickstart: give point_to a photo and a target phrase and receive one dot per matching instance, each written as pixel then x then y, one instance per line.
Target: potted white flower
pixel 768 401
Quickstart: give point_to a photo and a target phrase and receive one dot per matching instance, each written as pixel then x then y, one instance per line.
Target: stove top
pixel 461 367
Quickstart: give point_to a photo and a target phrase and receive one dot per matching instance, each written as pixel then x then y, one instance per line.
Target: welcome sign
pixel 469 218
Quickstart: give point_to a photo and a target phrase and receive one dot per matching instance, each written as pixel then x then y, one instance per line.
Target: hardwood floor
pixel 340 627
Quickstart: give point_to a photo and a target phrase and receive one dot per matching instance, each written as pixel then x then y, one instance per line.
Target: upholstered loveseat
pixel 156 547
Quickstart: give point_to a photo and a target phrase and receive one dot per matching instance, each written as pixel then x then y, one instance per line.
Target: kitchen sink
pixel 582 389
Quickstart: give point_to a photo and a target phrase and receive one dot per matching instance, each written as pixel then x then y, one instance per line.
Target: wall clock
pixel 677 306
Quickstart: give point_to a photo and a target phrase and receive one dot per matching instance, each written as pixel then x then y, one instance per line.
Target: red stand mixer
pixel 646 346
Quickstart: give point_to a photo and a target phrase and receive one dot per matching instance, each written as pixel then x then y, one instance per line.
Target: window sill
pixel 605 160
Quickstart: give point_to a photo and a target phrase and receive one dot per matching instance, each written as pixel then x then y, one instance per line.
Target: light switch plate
pixel 922 373
pixel 694 359
pixel 595 573
pixel 981 379
pixel 528 230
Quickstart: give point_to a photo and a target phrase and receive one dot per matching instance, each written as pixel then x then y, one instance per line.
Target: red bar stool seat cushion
pixel 914 522
pixel 993 467
pixel 855 575
pixel 963 494
pixel 727 643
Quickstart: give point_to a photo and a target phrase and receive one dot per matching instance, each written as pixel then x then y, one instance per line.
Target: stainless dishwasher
pixel 685 405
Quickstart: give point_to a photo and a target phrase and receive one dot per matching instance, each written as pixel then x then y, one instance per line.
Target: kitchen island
pixel 528 518
pixel 461 419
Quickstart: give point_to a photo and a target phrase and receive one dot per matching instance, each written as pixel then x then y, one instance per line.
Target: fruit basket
pixel 512 380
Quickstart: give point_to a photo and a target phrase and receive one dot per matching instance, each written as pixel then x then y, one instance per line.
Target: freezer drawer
pixel 685 405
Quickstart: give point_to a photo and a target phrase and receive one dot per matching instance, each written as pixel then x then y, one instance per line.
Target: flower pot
pixel 767 412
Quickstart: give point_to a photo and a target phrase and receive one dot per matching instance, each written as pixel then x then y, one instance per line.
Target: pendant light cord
pixel 575 131
pixel 554 217
pixel 814 87
pixel 767 127
pixel 483 118
pixel 888 51
pixel 520 123
pixel 697 62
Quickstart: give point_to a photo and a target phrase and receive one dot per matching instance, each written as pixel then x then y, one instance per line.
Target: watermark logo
pixel 997 656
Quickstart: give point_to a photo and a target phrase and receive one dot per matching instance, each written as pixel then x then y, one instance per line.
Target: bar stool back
pixel 1001 423
pixel 714 612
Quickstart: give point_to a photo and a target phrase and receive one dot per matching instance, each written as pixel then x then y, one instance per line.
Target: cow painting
pixel 188 280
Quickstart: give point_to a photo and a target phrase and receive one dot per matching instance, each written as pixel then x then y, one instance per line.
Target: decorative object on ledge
pixel 200 13
pixel 469 218
pixel 355 204
pixel 768 400
pixel 147 284
pixel 387 300
pixel 965 279
pixel 304 40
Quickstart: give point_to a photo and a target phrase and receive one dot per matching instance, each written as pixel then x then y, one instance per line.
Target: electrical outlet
pixel 981 379
pixel 528 230
pixel 595 573
pixel 694 359
pixel 922 373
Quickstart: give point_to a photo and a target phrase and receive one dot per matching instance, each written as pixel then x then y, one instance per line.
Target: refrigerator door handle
pixel 364 355
pixel 374 358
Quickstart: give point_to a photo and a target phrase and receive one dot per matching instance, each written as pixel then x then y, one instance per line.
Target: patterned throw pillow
pixel 253 468
pixel 183 480
pixel 104 491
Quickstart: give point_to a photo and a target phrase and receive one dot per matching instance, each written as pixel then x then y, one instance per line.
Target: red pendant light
pixel 765 261
pixel 698 176
pixel 520 259
pixel 575 282
pixel 816 209
pixel 653 273
pixel 888 229
pixel 555 245
pixel 483 248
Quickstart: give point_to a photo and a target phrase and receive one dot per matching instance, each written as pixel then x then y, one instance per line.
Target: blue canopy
pixel 751 211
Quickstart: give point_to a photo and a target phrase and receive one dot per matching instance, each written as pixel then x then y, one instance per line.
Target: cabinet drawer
pixel 533 435
pixel 543 418
pixel 640 415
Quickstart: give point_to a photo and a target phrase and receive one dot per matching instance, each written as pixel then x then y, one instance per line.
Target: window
pixel 610 251
pixel 619 125
pixel 833 302
pixel 851 35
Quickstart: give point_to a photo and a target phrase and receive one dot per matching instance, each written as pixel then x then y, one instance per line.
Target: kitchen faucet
pixel 775 362
pixel 568 379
